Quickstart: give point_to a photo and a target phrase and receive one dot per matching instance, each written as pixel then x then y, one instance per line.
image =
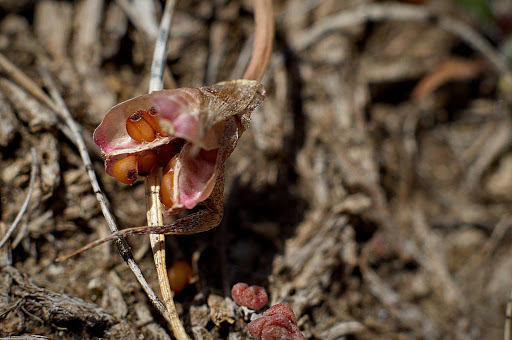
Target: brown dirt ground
pixel 375 204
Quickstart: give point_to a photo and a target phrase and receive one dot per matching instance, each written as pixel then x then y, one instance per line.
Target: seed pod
pixel 187 123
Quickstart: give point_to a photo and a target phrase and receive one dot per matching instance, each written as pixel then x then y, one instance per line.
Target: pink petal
pixel 195 175
pixel 176 121
pixel 178 110
pixel 187 113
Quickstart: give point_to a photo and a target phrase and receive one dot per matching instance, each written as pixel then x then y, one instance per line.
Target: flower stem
pixel 263 39
pixel 154 217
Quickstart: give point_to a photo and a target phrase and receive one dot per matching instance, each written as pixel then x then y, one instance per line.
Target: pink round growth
pixel 253 297
pixel 277 323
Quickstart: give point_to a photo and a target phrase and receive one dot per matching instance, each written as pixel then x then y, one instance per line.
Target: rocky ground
pixel 372 192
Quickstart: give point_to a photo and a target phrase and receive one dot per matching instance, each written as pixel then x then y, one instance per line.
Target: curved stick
pixel 263 39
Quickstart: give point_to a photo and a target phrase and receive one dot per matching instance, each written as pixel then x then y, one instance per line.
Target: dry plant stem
pixel 154 218
pixel 33 176
pixel 157 64
pixel 152 183
pixel 402 12
pixel 263 39
pixel 122 245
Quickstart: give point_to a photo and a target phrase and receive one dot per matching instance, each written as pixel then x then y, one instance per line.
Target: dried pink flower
pixel 277 323
pixel 253 297
pixel 177 129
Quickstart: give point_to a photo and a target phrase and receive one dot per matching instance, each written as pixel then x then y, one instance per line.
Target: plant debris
pixel 371 192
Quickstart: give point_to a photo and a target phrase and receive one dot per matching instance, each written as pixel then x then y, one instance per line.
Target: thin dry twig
pixel 157 65
pixel 33 176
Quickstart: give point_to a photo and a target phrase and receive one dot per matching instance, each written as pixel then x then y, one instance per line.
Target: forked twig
pixel 33 176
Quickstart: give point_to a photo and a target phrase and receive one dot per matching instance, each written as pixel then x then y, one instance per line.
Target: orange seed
pixel 151 116
pixel 139 128
pixel 146 162
pixel 125 170
pixel 180 276
pixel 167 184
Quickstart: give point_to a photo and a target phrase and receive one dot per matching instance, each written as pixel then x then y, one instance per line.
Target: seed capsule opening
pixel 168 151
